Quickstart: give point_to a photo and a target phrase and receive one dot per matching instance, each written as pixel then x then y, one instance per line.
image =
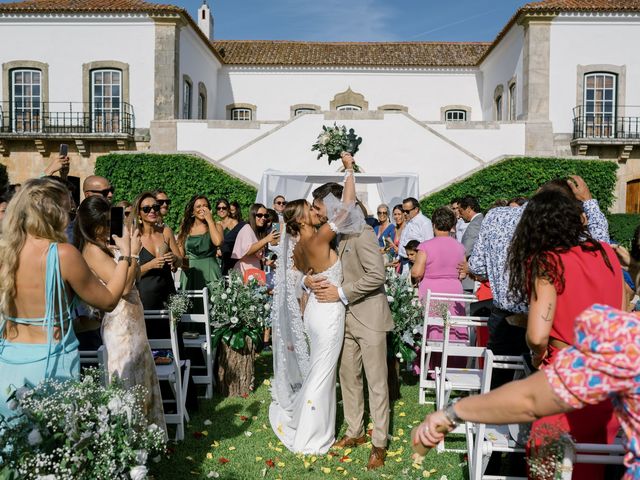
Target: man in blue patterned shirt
pixel 489 260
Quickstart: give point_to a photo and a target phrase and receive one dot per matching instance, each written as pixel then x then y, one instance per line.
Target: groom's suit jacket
pixel 363 280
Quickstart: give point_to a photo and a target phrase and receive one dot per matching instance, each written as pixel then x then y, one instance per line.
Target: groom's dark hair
pixel 323 190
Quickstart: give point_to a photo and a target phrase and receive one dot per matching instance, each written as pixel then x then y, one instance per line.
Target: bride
pixel 306 352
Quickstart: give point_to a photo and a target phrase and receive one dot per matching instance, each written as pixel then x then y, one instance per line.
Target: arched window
pixel 512 101
pixel 202 101
pixel 455 115
pixel 26 100
pixel 498 102
pixel 302 111
pixel 600 104
pixel 187 95
pixel 348 107
pixel 241 114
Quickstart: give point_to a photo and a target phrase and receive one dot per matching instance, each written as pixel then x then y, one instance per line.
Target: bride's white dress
pixel 307 425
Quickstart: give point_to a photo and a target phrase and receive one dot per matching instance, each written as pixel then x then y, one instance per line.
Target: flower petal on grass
pixel 223 460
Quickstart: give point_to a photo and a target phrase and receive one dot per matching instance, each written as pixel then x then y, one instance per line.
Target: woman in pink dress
pixel 248 249
pixel 436 268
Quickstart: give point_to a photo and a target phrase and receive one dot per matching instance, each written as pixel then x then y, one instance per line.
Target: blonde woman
pixel 41 277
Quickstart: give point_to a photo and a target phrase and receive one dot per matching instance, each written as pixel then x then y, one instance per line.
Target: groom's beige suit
pixel 368 319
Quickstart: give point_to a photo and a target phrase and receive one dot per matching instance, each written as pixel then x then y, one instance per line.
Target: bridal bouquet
pixel 77 430
pixel 332 141
pixel 408 315
pixel 238 310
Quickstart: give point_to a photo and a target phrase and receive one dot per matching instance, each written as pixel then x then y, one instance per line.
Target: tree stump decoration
pixel 236 371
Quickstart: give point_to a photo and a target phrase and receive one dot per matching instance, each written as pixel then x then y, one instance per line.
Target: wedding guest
pixel 501 202
pixel 412 251
pixel 231 227
pixel 123 330
pixel 590 371
pixel 198 239
pixel 398 219
pixel 97 185
pixel 469 208
pixel 41 278
pixel 557 268
pixel 158 254
pixel 461 225
pixel 418 226
pixel 279 203
pixel 252 239
pixel 517 201
pixel 385 230
pixel 224 218
pixel 235 211
pixel 489 259
pixel 163 200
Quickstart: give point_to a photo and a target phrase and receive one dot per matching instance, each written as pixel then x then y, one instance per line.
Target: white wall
pixel 65 43
pixel 503 63
pixel 197 61
pixel 275 91
pixel 394 144
pixel 578 40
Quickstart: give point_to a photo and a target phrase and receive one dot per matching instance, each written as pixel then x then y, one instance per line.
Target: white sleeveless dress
pixel 308 427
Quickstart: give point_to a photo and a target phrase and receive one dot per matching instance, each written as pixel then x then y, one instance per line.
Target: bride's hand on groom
pixel 313 283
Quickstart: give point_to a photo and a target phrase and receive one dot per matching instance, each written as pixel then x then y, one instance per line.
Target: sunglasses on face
pixel 166 202
pixel 282 202
pixel 126 214
pixel 147 208
pixel 383 213
pixel 261 215
pixel 222 208
pixel 104 192
pixel 407 212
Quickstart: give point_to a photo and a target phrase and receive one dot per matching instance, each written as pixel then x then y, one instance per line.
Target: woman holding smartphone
pixel 252 240
pixel 198 239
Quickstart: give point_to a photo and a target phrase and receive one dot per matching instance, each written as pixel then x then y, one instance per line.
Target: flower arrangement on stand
pixel 78 429
pixel 239 314
pixel 332 141
pixel 546 450
pixel 408 315
pixel 179 303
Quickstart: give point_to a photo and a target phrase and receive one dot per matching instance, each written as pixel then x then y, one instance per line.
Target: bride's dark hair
pixel 292 211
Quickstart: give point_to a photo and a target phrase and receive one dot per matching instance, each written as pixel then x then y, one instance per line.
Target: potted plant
pixel 239 314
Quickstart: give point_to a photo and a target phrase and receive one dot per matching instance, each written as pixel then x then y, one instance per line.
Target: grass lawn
pixel 231 439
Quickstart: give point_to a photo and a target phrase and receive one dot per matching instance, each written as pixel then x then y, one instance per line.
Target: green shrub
pixel 622 226
pixel 181 176
pixel 522 176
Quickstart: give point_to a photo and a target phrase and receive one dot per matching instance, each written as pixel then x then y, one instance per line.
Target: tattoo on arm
pixel 548 317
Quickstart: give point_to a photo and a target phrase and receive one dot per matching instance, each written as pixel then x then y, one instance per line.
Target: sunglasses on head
pixel 261 215
pixel 280 202
pixel 167 202
pixel 104 192
pixel 147 208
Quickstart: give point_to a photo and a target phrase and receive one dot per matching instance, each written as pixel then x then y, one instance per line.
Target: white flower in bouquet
pixel 141 457
pixel 234 320
pixel 267 307
pixel 389 299
pixel 325 138
pixel 223 296
pixel 115 405
pixel 139 472
pixel 234 308
pixel 34 437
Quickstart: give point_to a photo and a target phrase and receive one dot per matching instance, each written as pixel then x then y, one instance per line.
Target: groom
pixel 368 319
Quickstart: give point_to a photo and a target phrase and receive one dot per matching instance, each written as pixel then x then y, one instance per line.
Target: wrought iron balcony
pixel 592 123
pixel 21 117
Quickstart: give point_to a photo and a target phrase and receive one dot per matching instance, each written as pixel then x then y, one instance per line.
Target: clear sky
pixel 357 20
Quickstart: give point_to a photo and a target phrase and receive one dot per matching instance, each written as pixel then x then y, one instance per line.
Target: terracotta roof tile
pixel 64 6
pixel 550 6
pixel 403 54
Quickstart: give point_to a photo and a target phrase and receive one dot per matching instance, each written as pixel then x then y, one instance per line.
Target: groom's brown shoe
pixel 346 442
pixel 376 459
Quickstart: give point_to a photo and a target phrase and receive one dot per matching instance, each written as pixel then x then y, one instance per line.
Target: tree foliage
pixel 181 176
pixel 622 226
pixel 516 177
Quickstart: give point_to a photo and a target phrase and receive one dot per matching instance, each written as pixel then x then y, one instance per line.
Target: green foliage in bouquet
pixel 332 141
pixel 408 315
pixel 179 303
pixel 180 175
pixel 78 430
pixel 238 310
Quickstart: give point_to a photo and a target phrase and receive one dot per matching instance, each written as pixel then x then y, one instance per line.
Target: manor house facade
pixel 560 79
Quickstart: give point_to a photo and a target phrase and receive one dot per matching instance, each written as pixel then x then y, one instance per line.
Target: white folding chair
pixel 495 438
pixel 202 342
pixel 592 453
pixel 429 346
pixel 172 373
pixel 96 358
pixel 176 278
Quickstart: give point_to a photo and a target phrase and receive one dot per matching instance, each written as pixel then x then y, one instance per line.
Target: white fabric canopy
pixel 371 189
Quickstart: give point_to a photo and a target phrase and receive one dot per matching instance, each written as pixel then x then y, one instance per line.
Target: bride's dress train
pixel 307 425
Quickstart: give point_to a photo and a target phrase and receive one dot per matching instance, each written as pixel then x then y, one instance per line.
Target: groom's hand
pixel 327 293
pixel 313 283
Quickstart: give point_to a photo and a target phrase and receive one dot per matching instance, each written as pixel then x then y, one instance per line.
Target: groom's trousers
pixel 366 348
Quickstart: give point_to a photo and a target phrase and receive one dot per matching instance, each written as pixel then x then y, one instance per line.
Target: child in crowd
pixel 412 250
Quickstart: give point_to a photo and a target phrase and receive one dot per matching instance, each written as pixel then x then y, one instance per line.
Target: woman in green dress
pixel 198 240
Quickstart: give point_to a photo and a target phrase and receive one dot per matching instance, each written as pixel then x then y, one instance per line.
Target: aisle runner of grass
pixel 231 439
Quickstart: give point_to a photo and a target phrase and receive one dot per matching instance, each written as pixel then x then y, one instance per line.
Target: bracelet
pixel 135 257
pixel 126 258
pixel 451 414
pixel 348 173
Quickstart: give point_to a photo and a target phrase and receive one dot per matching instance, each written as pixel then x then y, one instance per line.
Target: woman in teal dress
pixel 41 276
pixel 198 240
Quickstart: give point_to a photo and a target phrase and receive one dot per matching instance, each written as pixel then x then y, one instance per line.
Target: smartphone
pixel 64 149
pixel 275 227
pixel 117 223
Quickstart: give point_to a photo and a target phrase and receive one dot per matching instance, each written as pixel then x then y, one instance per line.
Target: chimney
pixel 205 20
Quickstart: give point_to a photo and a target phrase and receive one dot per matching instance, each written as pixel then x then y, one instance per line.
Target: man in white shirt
pixel 418 227
pixel 461 225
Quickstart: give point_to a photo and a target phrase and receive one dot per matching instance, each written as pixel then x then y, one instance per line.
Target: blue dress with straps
pixel 30 363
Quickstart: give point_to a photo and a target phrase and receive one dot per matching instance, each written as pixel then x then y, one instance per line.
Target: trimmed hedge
pixel 522 176
pixel 181 176
pixel 622 226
